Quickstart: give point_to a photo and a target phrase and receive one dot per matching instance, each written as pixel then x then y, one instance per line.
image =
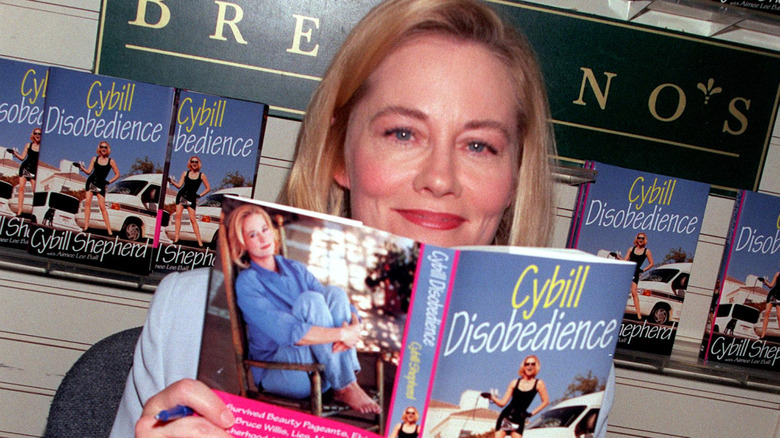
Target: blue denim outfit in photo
pixel 279 309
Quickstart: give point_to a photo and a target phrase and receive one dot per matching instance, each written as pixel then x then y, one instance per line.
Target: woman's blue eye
pixel 481 147
pixel 400 134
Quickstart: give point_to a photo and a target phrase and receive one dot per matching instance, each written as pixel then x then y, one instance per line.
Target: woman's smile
pixel 430 219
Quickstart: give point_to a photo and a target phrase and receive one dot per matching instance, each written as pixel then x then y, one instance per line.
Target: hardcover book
pixel 443 333
pixel 22 93
pixel 224 137
pixel 105 139
pixel 742 328
pixel 653 220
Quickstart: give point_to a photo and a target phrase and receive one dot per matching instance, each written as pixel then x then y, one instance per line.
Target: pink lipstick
pixel 432 220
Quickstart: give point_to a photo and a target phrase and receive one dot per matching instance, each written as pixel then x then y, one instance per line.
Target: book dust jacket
pixel 555 310
pixel 222 137
pixel 742 327
pixel 106 140
pixel 22 93
pixel 643 217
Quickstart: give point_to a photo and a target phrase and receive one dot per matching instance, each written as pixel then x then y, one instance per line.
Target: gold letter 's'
pixel 737 115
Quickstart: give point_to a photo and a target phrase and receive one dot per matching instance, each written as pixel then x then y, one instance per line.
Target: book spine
pixel 427 312
pixel 579 210
pixel 728 251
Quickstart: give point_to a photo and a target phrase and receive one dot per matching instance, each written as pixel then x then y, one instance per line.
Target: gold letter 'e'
pixel 300 34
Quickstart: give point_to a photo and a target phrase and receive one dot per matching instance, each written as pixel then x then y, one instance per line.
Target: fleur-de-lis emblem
pixel 708 90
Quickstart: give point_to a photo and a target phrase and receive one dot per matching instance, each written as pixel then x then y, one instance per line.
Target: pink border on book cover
pixel 255 419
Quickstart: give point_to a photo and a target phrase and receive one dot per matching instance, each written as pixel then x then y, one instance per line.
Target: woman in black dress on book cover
pixel 189 183
pixel 518 397
pixel 97 181
pixel 772 300
pixel 408 428
pixel 638 254
pixel 29 167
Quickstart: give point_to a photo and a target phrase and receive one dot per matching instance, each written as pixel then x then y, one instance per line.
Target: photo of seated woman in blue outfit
pixel 291 317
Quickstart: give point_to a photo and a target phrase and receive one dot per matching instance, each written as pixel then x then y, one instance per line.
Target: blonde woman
pixel 439 101
pixel 408 428
pixel 189 183
pixel 291 317
pixel 772 300
pixel 29 167
pixel 519 395
pixel 99 168
pixel 638 254
pixel 328 147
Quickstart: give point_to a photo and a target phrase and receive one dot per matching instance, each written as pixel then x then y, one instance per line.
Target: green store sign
pixel 622 94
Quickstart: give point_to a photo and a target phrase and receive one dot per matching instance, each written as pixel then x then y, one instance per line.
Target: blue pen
pixel 172 414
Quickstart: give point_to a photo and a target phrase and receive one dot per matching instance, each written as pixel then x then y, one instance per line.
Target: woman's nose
pixel 438 172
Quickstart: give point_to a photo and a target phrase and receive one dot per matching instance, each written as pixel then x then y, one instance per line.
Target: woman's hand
pixel 212 420
pixel 350 335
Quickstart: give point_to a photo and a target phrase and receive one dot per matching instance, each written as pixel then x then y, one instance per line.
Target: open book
pixel 444 331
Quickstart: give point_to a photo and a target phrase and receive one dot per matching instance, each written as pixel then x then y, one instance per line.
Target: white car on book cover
pixel 661 293
pixel 132 208
pixel 56 210
pixel 571 418
pixel 207 213
pixel 6 190
pixel 737 320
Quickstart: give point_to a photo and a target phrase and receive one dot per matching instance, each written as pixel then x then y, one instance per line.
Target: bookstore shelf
pixel 684 362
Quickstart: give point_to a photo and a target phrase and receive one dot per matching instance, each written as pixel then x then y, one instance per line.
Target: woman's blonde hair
pixel 108 148
pixel 236 232
pixel 320 144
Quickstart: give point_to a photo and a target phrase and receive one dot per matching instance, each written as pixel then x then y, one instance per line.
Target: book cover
pixel 106 140
pixel 742 327
pixel 442 329
pixel 224 136
pixel 22 93
pixel 624 206
pixel 559 309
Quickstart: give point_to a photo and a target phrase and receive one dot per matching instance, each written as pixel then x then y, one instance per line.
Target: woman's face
pixel 410 415
pixel 432 149
pixel 528 367
pixel 103 149
pixel 194 163
pixel 259 238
